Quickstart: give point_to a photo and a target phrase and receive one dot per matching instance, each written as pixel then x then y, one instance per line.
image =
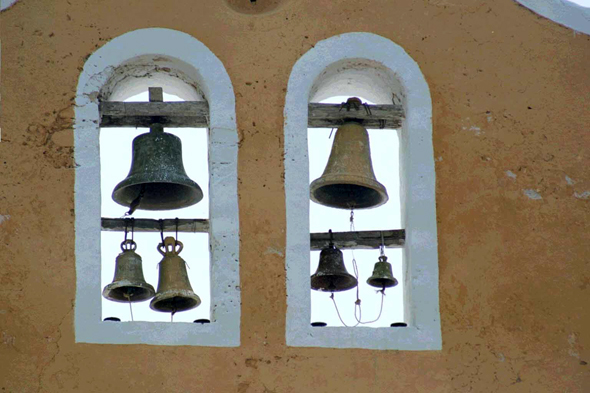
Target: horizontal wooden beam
pixel 195 114
pixel 142 114
pixel 195 225
pixel 371 116
pixel 392 238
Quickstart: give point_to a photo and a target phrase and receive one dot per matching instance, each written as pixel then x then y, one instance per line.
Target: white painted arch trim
pixel 4 4
pixel 564 12
pixel 186 56
pixel 378 61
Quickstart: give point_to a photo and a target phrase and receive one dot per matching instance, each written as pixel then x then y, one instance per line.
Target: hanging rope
pixel 338 311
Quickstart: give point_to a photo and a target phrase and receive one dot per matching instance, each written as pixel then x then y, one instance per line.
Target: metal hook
pixel 382 247
pixel 176 237
pixel 132 228
pixel 161 229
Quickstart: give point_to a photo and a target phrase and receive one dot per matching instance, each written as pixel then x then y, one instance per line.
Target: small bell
pixel 175 293
pixel 382 275
pixel 157 179
pixel 331 275
pixel 128 284
pixel 348 181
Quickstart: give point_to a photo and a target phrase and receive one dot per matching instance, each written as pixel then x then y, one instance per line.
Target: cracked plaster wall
pixel 510 92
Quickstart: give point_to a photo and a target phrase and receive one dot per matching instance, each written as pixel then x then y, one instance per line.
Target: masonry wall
pixel 511 97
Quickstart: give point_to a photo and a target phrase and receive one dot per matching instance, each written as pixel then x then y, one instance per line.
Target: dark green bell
pixel 157 179
pixel 331 275
pixel 128 284
pixel 382 275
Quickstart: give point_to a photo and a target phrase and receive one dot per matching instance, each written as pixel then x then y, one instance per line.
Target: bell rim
pixel 330 179
pixel 174 293
pixel 144 177
pixel 127 283
pixel 351 280
pixel 394 280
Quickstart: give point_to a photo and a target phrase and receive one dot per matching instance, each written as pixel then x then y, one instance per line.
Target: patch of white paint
pixel 7 339
pixel 563 12
pixel 583 195
pixel 501 357
pixel 191 64
pixel 438 159
pixel 274 251
pixel 476 130
pixel 373 67
pixel 569 180
pixel 532 194
pixel 3 218
pixel 489 118
pixel 572 340
pixel 511 174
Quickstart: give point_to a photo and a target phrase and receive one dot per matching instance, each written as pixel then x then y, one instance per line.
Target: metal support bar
pixel 195 114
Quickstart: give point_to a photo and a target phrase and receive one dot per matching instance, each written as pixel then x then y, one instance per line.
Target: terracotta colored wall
pixel 511 91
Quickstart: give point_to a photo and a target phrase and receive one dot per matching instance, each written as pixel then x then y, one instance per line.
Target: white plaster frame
pixel 5 4
pixel 375 68
pixel 186 56
pixel 564 12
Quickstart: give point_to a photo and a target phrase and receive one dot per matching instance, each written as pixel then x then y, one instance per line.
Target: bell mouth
pixel 345 192
pixel 175 301
pixel 125 291
pixel 333 283
pixel 382 282
pixel 172 192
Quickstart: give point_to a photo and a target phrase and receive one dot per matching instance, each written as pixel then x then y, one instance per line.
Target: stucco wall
pixel 510 92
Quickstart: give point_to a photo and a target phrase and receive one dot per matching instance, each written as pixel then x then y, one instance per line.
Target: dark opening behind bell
pixel 348 180
pixel 128 284
pixel 331 275
pixel 382 275
pixel 157 179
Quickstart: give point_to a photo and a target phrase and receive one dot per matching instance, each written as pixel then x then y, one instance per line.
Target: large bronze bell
pixel 331 275
pixel 348 181
pixel 128 284
pixel 382 275
pixel 157 179
pixel 174 288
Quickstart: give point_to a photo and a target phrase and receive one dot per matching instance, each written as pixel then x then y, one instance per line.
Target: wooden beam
pixel 393 238
pixel 195 114
pixel 196 225
pixel 371 116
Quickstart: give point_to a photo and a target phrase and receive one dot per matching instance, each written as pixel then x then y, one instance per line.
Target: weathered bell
pixel 382 275
pixel 128 284
pixel 331 275
pixel 157 179
pixel 175 293
pixel 348 180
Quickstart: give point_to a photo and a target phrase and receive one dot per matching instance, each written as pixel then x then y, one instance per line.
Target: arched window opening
pixel 376 309
pixel 379 71
pixel 187 70
pixel 115 160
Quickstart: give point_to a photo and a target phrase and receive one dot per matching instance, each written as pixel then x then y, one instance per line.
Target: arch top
pixel 359 63
pixel 564 12
pixel 175 59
